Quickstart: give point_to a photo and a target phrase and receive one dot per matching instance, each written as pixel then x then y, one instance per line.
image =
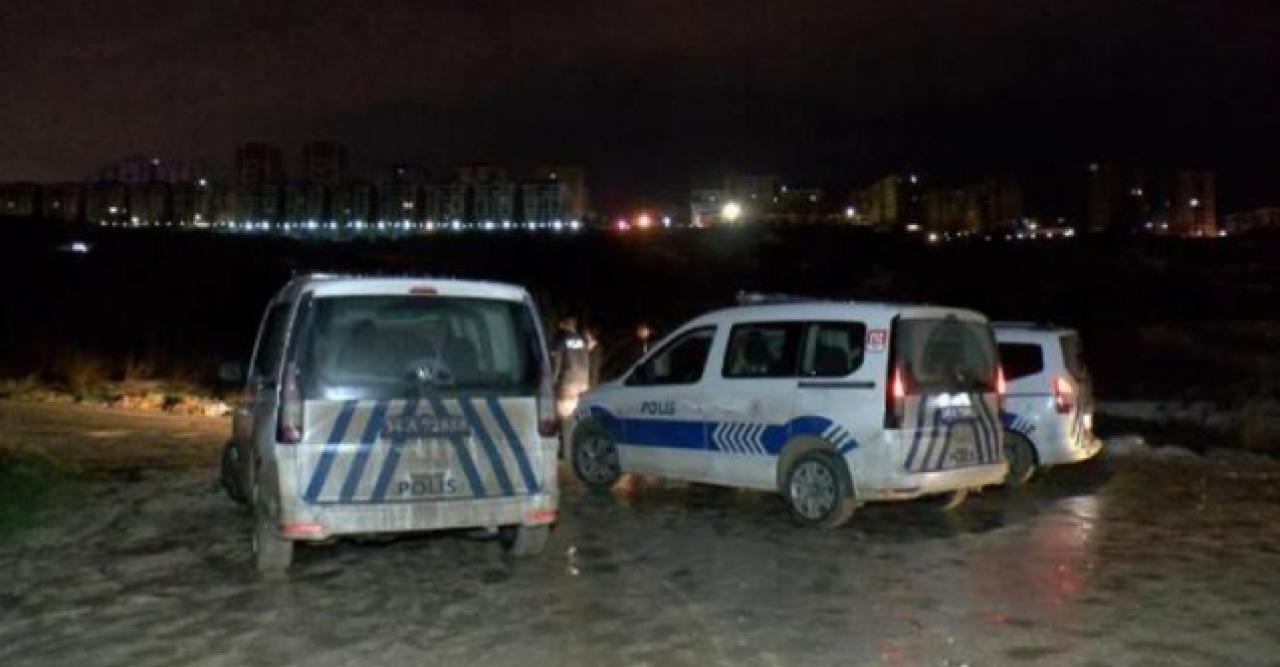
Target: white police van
pixel 831 404
pixel 382 405
pixel 1048 416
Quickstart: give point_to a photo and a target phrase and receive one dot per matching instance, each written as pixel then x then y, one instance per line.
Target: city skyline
pixel 649 98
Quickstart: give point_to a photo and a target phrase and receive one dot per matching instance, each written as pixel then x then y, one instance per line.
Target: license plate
pixel 963 456
pixel 427 485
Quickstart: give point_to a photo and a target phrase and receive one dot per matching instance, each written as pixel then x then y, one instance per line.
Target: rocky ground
pixel 1154 558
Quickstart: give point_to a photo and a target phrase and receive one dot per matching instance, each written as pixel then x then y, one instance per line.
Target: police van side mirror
pixel 231 372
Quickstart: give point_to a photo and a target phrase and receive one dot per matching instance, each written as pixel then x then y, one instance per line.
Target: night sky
pixel 650 95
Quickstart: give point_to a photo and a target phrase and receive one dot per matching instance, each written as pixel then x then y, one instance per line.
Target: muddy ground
pixel 1153 560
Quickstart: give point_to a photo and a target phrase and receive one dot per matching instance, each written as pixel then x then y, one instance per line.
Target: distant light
pixel 406 205
pixel 1222 233
pixel 914 179
pixel 135 219
pixel 913 227
pixel 850 212
pixel 1195 202
pixel 110 209
pixel 731 211
pixel 666 221
pixel 489 226
pixel 622 225
pixel 1093 166
pixel 1136 192
pixel 457 225
pixel 643 221
pixel 575 225
pixel 204 182
pixel 78 247
pixel 1069 233
pixel 933 237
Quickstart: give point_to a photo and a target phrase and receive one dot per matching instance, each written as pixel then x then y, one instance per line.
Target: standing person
pixel 570 366
pixel 595 355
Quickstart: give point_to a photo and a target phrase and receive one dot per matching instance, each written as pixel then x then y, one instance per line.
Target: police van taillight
pixel 289 418
pixel 1064 395
pixel 1002 389
pixel 895 399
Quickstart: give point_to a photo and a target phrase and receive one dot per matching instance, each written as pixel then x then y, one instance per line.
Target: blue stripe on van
pixel 915 439
pixel 372 428
pixel 513 441
pixel 490 449
pixel 460 451
pixel 392 459
pixel 336 436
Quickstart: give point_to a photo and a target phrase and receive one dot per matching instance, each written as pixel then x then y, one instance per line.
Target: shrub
pixel 1258 424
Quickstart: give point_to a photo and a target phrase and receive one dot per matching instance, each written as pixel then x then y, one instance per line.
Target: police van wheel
pixel 1022 459
pixel 230 475
pixel 818 490
pixel 524 541
pixel 595 457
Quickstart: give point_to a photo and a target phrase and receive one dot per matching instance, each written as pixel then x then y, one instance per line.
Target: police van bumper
pixel 1066 451
pixel 323 522
pixel 907 486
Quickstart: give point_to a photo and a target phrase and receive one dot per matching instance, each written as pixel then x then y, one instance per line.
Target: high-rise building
pixel 352 202
pixel 324 162
pixel 574 180
pixel 892 203
pixel 64 202
pixel 1193 207
pixel 543 201
pixel 259 163
pixel 19 200
pixel 493 201
pixel 1118 197
pixel 107 201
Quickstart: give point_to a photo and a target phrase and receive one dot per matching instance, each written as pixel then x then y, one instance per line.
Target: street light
pixel 731 211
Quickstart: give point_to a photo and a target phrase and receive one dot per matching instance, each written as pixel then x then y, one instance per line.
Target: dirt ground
pixel 1152 560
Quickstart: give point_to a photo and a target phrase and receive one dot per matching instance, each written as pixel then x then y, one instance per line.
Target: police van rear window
pixel 946 354
pixel 402 346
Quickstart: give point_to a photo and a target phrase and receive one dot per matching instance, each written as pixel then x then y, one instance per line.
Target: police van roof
pixel 333 284
pixel 811 308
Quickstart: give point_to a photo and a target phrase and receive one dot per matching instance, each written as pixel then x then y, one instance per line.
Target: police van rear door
pixel 416 397
pixel 943 393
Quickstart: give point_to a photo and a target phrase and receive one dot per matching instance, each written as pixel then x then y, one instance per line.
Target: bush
pixel 1258 423
pixel 83 375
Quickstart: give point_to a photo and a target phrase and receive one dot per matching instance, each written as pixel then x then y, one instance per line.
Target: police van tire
pixel 819 489
pixel 595 456
pixel 272 554
pixel 1021 456
pixel 230 475
pixel 524 541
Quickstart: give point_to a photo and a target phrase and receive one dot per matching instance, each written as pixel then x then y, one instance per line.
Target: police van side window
pixel 834 349
pixel 762 350
pixel 266 361
pixel 1019 360
pixel 680 362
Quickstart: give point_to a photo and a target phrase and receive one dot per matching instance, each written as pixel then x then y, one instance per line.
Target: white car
pixel 1048 417
pixel 383 405
pixel 830 404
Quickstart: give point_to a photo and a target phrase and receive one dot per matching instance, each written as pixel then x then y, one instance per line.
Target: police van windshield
pixel 946 354
pixel 399 346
